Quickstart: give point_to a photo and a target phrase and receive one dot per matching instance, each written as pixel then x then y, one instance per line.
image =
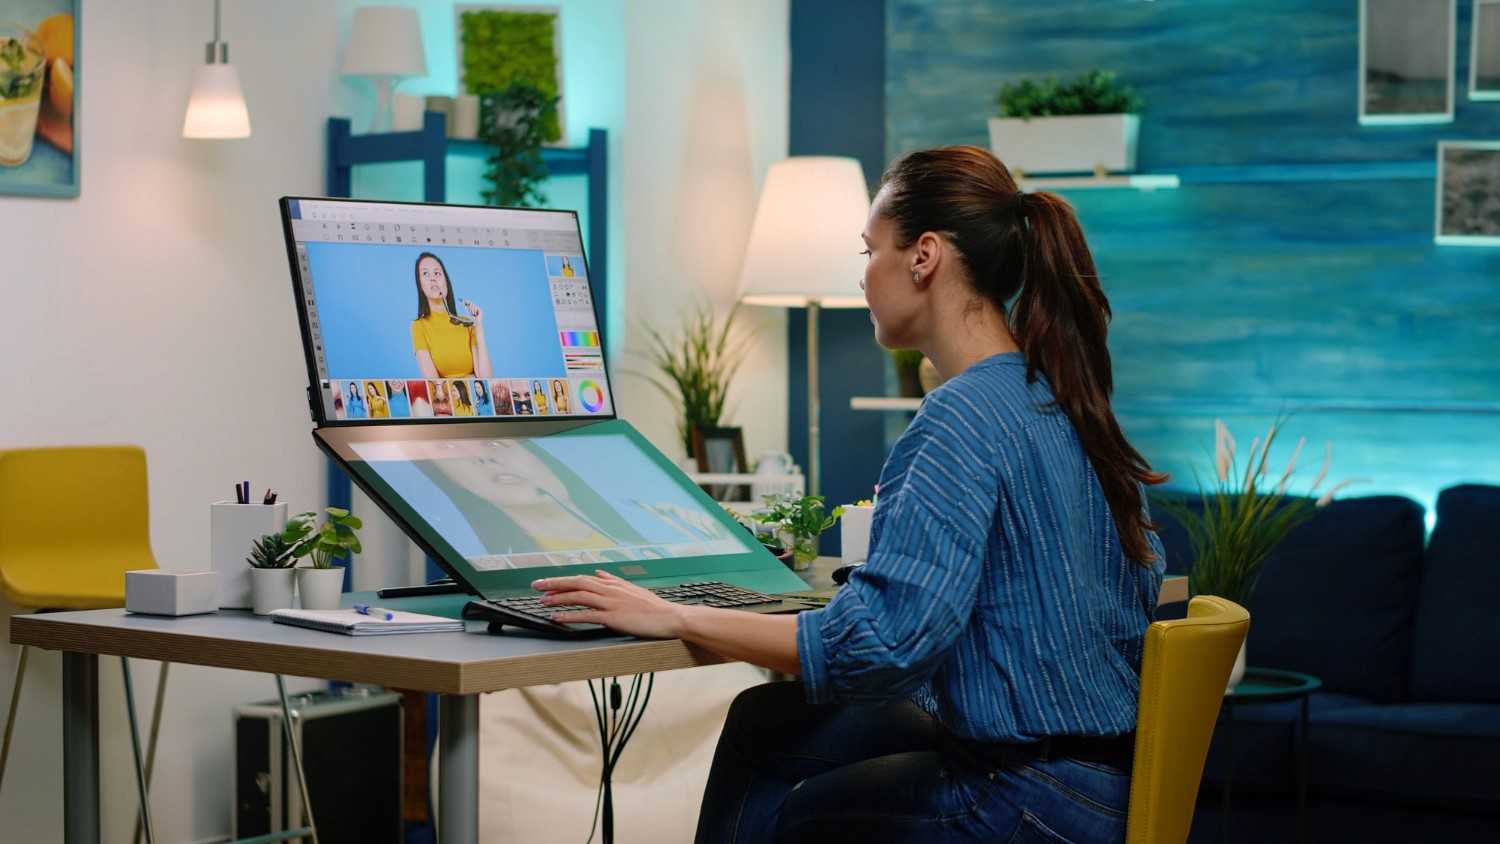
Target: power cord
pixel 616 725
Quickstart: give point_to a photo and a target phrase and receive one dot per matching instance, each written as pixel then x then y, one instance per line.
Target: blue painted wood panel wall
pixel 1251 291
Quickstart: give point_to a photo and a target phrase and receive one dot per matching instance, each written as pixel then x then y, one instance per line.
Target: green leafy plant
pixel 1243 517
pixel 1094 92
pixel 795 521
pixel 324 543
pixel 512 126
pixel 695 364
pixel 271 551
pixel 908 365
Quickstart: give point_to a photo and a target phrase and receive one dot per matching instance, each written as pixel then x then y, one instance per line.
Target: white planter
pixel 1238 672
pixel 320 588
pixel 1079 143
pixel 272 589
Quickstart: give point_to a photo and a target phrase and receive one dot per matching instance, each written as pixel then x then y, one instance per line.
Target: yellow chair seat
pixel 73 520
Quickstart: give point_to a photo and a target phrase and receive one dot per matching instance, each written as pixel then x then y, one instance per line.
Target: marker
pixel 377 612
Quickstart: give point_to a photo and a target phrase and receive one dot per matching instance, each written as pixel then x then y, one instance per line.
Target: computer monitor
pixel 457 375
pixel 425 313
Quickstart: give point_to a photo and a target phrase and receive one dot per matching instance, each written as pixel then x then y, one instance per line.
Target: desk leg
pixel 80 683
pixel 458 769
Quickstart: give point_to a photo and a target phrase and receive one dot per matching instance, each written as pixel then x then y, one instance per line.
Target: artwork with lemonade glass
pixel 38 69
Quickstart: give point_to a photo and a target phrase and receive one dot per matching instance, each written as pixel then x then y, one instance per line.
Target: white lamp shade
pixel 217 107
pixel 385 41
pixel 805 242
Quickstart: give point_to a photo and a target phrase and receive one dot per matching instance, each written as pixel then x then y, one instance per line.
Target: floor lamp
pixel 804 252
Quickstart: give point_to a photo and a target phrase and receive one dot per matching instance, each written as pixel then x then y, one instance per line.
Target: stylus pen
pixel 378 612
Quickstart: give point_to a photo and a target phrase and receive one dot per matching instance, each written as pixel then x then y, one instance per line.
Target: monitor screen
pixel 568 496
pixel 415 312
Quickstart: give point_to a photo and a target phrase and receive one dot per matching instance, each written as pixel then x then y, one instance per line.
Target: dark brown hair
pixel 423 310
pixel 1029 248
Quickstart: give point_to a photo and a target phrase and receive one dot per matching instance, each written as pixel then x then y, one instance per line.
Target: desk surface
pixel 449 663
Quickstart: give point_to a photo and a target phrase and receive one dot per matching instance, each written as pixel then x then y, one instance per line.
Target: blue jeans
pixel 789 771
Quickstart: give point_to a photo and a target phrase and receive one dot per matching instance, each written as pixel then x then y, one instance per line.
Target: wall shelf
pixel 884 403
pixel 1330 171
pixel 431 146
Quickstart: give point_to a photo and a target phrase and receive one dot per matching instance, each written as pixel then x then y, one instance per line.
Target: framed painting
pixel 38 97
pixel 1468 193
pixel 722 450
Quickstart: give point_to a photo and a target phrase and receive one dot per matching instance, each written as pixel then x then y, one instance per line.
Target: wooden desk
pixel 457 666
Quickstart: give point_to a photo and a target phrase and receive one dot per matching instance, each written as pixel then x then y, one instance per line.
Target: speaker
pixel 351 750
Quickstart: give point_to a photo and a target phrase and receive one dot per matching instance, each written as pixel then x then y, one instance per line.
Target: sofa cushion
pixel 1264 741
pixel 1433 754
pixel 1338 597
pixel 1456 646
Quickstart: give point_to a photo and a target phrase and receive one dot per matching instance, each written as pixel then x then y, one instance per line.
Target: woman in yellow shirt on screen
pixel 447 343
pixel 379 408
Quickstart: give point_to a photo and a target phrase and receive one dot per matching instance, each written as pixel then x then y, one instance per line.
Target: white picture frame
pixel 1407 51
pixel 1484 51
pixel 1468 193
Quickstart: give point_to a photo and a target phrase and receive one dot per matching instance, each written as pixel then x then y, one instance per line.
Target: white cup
pixel 774 463
pixel 406 112
pixel 854 532
pixel 466 117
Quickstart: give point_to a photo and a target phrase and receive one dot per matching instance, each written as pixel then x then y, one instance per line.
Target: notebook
pixel 359 624
pixel 458 375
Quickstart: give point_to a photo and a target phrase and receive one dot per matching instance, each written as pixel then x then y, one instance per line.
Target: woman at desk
pixel 977 678
pixel 447 343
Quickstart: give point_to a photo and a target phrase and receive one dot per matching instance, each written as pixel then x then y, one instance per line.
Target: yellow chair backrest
pixel 73 520
pixel 1183 675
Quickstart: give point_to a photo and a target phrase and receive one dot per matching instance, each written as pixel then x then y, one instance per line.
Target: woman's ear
pixel 928 253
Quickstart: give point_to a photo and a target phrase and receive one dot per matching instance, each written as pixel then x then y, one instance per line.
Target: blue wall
pixel 1293 272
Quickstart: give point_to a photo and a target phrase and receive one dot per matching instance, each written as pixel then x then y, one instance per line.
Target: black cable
pixel 616 726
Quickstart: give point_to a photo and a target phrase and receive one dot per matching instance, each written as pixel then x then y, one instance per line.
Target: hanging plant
pixel 511 125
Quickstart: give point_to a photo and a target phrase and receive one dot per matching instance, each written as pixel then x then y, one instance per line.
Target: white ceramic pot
pixel 1078 143
pixel 272 589
pixel 320 588
pixel 1238 672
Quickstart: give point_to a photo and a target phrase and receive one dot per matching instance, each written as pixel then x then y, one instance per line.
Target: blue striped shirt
pixel 996 594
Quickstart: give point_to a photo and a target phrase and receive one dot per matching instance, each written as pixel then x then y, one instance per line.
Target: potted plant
pixel 1235 524
pixel 322 544
pixel 1089 124
pixel 511 126
pixel 510 61
pixel 794 521
pixel 695 364
pixel 272 578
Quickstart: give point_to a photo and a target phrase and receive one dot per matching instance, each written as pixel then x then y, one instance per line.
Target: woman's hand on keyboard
pixel 613 602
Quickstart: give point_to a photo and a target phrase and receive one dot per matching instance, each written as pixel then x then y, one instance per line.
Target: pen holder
pixel 854 532
pixel 234 530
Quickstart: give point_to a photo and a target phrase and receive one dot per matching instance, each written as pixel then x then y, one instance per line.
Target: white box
pixel 854 532
pixel 234 530
pixel 170 591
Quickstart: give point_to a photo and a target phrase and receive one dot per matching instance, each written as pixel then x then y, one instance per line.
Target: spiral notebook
pixel 355 623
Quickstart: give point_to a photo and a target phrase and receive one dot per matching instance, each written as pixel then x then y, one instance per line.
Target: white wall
pixel 154 309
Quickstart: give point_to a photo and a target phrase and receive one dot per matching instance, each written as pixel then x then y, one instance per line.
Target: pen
pixel 378 612
pixel 270 497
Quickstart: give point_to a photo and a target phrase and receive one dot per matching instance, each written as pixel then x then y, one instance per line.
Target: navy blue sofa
pixel 1404 735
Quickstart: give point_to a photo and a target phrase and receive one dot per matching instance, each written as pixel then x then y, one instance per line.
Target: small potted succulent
pixel 272 578
pixel 794 521
pixel 323 544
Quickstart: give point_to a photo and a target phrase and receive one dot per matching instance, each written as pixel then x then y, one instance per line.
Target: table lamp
pixel 217 106
pixel 385 44
pixel 804 252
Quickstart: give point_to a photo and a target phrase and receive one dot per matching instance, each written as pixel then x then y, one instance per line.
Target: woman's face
pixel 431 279
pixel 504 473
pixel 889 289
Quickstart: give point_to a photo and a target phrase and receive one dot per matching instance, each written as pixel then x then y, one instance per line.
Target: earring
pixel 917 277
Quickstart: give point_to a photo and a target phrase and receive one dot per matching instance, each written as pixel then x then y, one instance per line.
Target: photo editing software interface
pixel 587 496
pixel 420 312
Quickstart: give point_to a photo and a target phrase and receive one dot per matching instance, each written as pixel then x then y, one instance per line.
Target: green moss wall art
pixel 503 46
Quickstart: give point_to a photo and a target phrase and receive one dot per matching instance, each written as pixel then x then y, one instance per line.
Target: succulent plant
pixel 271 552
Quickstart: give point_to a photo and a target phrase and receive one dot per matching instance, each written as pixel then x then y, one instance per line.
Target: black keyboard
pixel 529 612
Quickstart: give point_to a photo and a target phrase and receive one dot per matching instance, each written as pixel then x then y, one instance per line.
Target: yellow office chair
pixel 1183 675
pixel 73 520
